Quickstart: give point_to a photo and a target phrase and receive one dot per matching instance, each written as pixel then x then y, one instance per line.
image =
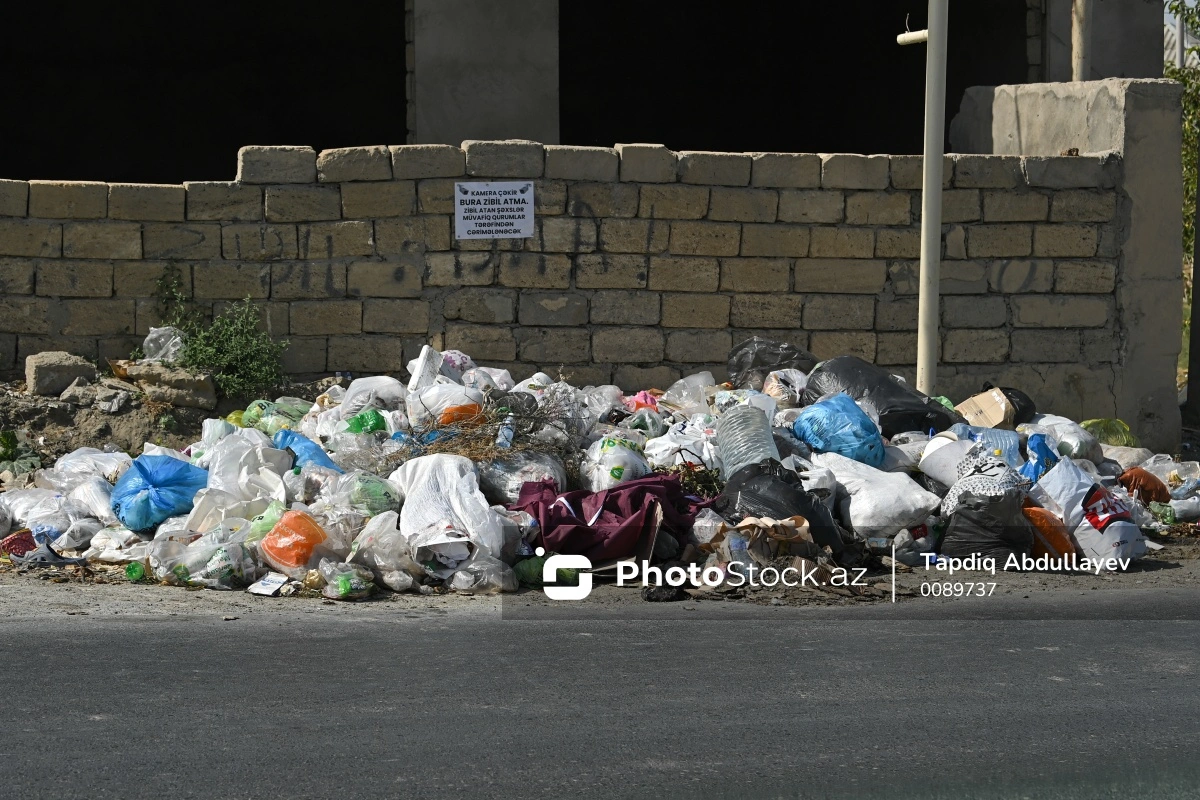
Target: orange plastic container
pixel 1050 536
pixel 289 546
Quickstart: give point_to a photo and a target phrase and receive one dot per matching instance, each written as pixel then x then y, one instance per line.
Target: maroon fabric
pixel 570 524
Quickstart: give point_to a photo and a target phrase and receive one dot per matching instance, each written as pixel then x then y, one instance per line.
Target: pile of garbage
pixel 464 479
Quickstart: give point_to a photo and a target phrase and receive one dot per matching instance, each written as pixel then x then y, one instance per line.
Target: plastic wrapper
pixel 444 404
pixel 501 480
pixel 873 502
pixel 899 407
pixel 837 425
pixel 366 421
pixel 488 380
pixel 1041 457
pixel 612 461
pixel 1111 432
pixel 154 488
pixel 162 344
pixel 688 395
pixel 384 550
pixel 692 441
pixel 345 581
pixel 786 386
pixel 483 575
pixel 752 360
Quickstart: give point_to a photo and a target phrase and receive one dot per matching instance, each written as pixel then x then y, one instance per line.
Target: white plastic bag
pixel 441 549
pixel 248 467
pixel 379 392
pixel 484 378
pixel 687 395
pixel 443 488
pixel 483 575
pixel 612 461
pixel 383 549
pixel 95 495
pixel 786 386
pixel 692 442
pixel 873 502
pixel 1101 521
pixel 162 344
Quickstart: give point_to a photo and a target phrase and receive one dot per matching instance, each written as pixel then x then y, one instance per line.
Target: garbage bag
pixel 645 420
pixel 1126 457
pixel 365 492
pixel 786 386
pixel 692 441
pixel 752 360
pixel 501 480
pixel 982 474
pixel 483 575
pixel 441 548
pixel 1050 536
pixel 688 395
pixel 876 503
pixel 486 379
pixel 379 392
pixel 991 526
pixel 1111 432
pixel 770 490
pixel 1100 520
pixel 345 581
pixel 95 495
pixel 441 488
pixel 836 425
pixel 383 549
pixel 295 545
pixel 611 461
pixel 366 422
pixel 305 450
pixel 900 408
pixel 1072 439
pixel 154 488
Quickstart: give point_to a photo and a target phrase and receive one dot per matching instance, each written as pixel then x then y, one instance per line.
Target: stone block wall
pixel 646 264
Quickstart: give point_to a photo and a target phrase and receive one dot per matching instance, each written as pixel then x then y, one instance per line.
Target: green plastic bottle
pixel 135 571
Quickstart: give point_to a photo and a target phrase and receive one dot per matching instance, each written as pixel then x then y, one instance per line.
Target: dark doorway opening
pixel 166 92
pixel 770 76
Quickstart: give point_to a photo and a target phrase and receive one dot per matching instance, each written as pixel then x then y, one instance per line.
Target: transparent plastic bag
pixel 485 379
pixel 483 575
pixel 379 392
pixel 687 395
pixel 95 495
pixel 786 386
pixel 611 461
pixel 345 581
pixel 162 344
pixel 444 404
pixel 650 422
pixel 501 480
pixel 365 492
pixel 383 549
pixel 441 549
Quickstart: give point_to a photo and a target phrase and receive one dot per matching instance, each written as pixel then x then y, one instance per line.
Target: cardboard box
pixel 989 409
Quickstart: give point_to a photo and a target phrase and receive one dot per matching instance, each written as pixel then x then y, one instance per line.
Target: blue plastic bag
pixel 1041 457
pixel 154 488
pixel 1007 442
pixel 307 451
pixel 837 425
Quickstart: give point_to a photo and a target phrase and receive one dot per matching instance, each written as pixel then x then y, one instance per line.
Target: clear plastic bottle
pixel 744 437
pixel 504 438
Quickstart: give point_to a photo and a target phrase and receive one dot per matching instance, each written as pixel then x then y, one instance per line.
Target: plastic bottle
pixel 744 437
pixel 135 571
pixel 738 552
pixel 507 428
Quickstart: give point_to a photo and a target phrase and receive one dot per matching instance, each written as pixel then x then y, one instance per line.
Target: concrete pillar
pixel 485 70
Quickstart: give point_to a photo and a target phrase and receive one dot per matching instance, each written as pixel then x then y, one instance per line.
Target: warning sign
pixel 493 210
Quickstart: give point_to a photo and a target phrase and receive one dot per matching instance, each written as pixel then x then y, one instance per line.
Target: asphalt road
pixel 767 702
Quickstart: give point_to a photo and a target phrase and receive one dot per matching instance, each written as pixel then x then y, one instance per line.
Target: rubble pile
pixel 464 479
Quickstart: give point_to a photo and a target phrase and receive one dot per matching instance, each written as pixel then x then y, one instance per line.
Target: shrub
pixel 244 360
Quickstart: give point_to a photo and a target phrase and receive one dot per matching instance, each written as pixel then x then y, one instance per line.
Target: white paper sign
pixel 493 210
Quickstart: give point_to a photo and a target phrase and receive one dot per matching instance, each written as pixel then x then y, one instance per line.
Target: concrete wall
pixel 646 264
pixel 1140 120
pixel 1127 39
pixel 484 70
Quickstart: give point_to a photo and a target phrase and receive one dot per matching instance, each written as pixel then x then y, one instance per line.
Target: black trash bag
pixel 1023 406
pixel 930 485
pixel 751 361
pixel 789 444
pixel 900 407
pixel 768 489
pixel 988 526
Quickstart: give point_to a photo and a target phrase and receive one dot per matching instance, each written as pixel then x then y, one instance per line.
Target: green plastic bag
pixel 529 572
pixel 261 525
pixel 1163 512
pixel 369 493
pixel 366 422
pixel 945 401
pixel 1112 432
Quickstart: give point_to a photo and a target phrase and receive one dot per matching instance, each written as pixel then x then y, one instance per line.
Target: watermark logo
pixel 550 576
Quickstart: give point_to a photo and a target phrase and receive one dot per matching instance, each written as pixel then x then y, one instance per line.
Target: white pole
pixel 1081 40
pixel 931 197
pixel 1179 41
